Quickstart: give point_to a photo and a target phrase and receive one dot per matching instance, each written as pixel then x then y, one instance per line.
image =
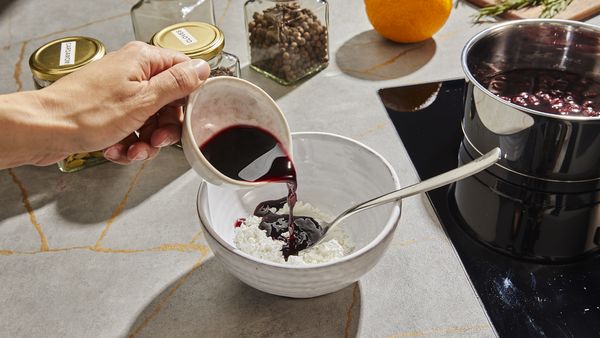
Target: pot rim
pixel 486 32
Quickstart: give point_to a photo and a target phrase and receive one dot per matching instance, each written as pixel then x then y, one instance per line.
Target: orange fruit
pixel 408 20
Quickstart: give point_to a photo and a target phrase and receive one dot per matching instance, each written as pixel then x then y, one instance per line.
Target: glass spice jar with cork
pixel 59 58
pixel 199 40
pixel 288 39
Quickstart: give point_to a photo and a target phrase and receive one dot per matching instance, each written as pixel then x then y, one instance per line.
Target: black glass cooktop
pixel 523 299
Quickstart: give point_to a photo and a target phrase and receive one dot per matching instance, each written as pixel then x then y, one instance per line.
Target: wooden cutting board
pixel 577 10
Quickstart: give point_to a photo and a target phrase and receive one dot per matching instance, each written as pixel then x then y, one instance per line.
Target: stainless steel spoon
pixel 454 175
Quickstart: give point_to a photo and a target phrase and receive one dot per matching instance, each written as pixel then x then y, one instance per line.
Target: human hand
pixel 137 88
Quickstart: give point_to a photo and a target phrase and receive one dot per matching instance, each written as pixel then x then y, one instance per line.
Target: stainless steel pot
pixel 538 145
pixel 542 200
pixel 543 222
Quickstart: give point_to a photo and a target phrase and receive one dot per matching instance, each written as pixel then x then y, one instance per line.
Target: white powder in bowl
pixel 252 240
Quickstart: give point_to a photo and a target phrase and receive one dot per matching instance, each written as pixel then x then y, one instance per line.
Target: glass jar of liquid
pixel 59 58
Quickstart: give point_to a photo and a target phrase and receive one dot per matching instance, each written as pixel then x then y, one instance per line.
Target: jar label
pixel 184 36
pixel 67 53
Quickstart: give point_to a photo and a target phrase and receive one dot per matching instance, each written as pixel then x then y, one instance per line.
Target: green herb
pixel 549 7
pixel 553 7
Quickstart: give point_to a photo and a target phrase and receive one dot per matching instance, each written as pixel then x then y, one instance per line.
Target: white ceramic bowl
pixel 334 173
pixel 223 102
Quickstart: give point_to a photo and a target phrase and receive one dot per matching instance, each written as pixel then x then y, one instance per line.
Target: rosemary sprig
pixel 553 7
pixel 549 7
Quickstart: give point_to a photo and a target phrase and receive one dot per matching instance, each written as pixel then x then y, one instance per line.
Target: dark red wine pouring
pixel 252 154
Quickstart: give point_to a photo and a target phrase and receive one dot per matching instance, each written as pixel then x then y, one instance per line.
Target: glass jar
pixel 199 40
pixel 287 39
pixel 56 59
pixel 150 16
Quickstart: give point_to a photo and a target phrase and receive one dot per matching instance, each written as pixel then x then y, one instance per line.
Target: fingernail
pixel 142 155
pixel 202 69
pixel 112 154
pixel 165 143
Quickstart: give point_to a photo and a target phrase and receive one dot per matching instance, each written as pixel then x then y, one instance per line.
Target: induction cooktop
pixel 522 298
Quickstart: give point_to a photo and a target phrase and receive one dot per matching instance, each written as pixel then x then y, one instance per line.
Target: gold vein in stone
pixel 71 28
pixel 49 250
pixel 189 247
pixel 370 70
pixel 364 72
pixel 65 249
pixel 164 247
pixel 369 131
pixel 443 331
pixel 27 205
pixel 197 236
pixel 169 247
pixel 415 241
pixel 349 312
pixel 391 60
pixel 120 207
pixel 224 12
pixel 18 67
pixel 167 297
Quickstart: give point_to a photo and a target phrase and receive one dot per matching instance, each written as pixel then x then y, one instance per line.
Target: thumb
pixel 177 82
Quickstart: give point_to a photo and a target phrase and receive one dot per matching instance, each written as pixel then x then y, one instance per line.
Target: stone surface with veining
pixel 117 251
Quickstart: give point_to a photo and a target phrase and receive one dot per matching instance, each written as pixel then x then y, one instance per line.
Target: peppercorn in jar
pixel 288 39
pixel 59 58
pixel 199 40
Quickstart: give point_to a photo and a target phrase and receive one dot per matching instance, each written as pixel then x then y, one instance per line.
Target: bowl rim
pixel 390 225
pixel 529 22
pixel 187 126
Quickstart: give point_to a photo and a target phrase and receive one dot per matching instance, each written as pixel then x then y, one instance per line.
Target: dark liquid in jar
pixel 252 154
pixel 548 91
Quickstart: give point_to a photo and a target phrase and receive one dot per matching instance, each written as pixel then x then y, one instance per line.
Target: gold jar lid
pixel 198 40
pixel 63 56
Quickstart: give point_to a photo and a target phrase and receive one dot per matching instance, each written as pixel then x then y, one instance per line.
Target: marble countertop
pixel 117 251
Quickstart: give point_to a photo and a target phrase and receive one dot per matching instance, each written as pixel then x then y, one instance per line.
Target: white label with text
pixel 184 36
pixel 67 53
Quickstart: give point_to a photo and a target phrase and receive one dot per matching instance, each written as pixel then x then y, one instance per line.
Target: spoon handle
pixel 454 175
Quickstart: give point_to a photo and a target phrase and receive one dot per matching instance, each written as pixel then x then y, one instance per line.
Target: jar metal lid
pixel 63 56
pixel 198 40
